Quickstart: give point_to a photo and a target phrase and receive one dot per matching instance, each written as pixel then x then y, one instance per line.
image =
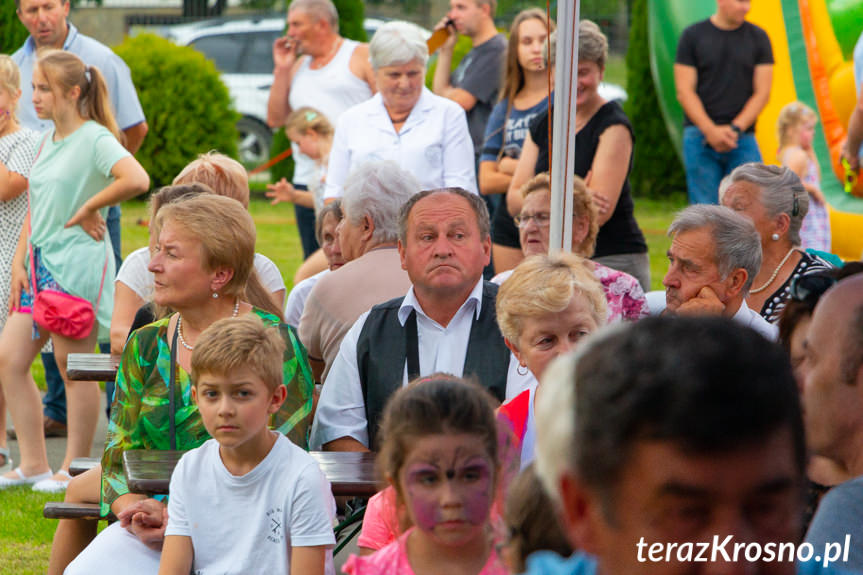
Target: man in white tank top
pixel 316 67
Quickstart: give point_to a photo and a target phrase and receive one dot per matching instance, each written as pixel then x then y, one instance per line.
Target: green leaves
pixel 188 108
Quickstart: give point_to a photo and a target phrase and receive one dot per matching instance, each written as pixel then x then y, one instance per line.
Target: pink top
pixel 380 522
pixel 393 560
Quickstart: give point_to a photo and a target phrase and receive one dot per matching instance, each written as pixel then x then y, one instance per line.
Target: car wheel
pixel 254 142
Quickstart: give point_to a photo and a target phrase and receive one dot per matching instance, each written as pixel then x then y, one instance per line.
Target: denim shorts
pixel 44 280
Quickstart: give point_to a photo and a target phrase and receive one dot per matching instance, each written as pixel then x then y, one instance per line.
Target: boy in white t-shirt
pixel 248 500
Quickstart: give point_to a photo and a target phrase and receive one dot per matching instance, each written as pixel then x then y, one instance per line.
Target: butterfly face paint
pixel 448 483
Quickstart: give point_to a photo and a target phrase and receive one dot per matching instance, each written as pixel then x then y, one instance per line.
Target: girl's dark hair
pixel 531 520
pixel 436 404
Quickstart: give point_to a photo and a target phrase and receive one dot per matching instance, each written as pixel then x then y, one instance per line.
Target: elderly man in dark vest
pixel 445 323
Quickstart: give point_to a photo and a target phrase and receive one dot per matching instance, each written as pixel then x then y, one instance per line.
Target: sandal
pixel 51 485
pixel 6 482
pixel 6 455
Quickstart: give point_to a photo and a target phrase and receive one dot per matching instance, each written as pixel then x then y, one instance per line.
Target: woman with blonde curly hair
pixel 546 307
pixel 623 293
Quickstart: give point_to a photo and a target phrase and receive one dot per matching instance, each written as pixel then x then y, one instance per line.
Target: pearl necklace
pixel 775 273
pixel 180 326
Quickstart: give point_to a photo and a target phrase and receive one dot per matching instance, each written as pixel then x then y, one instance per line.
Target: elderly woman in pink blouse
pixel 625 297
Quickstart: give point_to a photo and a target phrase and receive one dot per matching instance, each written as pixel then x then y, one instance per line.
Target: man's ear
pixel 581 510
pixel 402 255
pixel 735 281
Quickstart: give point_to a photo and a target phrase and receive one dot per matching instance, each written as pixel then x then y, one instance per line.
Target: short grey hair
pixel 477 204
pixel 319 9
pixel 736 241
pixel 782 192
pixel 592 43
pixel 378 190
pixel 397 43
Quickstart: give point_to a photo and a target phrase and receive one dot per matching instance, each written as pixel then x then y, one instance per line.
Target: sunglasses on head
pixel 811 287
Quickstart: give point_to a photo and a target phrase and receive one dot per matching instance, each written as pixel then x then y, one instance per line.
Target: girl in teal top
pixel 81 168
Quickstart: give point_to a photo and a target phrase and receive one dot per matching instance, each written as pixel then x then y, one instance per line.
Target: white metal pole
pixel 562 157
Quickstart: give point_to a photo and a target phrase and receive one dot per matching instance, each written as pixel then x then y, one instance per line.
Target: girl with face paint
pixel 440 455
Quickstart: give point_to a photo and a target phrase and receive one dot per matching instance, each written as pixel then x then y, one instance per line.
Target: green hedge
pixel 657 171
pixel 187 106
pixel 12 32
pixel 351 16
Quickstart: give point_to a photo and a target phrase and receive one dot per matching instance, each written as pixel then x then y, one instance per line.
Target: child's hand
pixel 816 194
pixel 91 222
pixel 281 191
pixel 17 286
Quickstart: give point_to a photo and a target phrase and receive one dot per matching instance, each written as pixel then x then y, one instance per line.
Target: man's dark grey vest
pixel 382 351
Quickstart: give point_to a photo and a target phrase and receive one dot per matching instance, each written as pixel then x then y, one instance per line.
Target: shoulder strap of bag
pixel 33 286
pixel 172 384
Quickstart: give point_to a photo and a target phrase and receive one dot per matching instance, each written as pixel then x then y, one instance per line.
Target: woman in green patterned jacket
pixel 202 267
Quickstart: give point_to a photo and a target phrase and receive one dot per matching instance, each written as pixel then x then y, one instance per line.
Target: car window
pixel 258 58
pixel 225 50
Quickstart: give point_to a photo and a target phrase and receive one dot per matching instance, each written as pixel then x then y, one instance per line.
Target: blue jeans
pixel 113 225
pixel 306 226
pixel 54 400
pixel 705 167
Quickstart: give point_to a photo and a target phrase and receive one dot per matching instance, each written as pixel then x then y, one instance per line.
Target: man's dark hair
pixel 475 201
pixel 708 385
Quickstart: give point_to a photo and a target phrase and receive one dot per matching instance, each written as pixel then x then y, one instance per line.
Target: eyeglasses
pixel 811 287
pixel 542 219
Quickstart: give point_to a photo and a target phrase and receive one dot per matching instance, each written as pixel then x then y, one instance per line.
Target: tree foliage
pixel 657 171
pixel 12 32
pixel 188 108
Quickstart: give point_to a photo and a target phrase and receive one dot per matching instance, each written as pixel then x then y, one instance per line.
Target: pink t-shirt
pixel 393 560
pixel 380 522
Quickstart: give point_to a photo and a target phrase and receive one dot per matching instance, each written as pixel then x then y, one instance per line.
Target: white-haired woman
pixel 775 200
pixel 425 134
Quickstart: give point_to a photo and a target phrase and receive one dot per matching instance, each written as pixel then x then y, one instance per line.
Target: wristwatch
pixel 737 130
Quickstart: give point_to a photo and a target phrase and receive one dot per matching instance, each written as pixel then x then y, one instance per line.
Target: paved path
pixel 57 445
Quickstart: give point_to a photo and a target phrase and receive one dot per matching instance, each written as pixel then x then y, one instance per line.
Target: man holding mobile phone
pixel 315 67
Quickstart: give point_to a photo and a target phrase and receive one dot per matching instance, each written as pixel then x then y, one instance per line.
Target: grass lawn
pixel 25 537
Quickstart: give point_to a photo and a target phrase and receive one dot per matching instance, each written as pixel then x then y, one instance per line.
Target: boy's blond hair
pixel 236 343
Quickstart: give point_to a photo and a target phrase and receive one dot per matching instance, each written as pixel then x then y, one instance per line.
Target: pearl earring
pixel 216 295
pixel 775 237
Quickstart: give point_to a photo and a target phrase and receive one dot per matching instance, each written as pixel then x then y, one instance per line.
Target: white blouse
pixel 434 144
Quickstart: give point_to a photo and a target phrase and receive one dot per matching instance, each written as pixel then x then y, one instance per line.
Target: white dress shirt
pixel 341 409
pixel 434 144
pixel 751 318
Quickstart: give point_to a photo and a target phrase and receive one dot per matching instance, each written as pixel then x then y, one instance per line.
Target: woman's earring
pixel 519 370
pixel 216 294
pixel 775 237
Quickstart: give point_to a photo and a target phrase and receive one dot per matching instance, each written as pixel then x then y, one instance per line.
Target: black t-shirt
pixel 480 73
pixel 724 61
pixel 620 234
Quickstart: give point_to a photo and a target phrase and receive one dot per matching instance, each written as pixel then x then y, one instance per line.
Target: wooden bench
pixel 350 474
pixel 63 510
pixel 92 366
